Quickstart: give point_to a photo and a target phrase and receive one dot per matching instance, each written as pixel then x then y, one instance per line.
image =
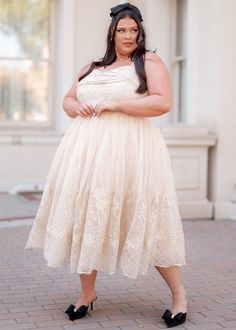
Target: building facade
pixel 195 38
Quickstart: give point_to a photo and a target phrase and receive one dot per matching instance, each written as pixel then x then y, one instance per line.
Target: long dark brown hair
pixel 137 56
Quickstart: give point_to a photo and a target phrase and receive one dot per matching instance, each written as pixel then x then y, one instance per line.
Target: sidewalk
pixel 34 296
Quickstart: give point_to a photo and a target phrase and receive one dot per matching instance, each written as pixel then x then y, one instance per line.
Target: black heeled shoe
pixel 70 309
pixel 173 320
pixel 77 313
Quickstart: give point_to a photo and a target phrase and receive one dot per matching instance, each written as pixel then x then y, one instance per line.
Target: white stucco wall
pixel 211 97
pixel 79 34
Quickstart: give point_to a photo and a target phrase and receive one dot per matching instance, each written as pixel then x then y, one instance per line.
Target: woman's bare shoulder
pixel 88 65
pixel 85 69
pixel 153 63
pixel 151 57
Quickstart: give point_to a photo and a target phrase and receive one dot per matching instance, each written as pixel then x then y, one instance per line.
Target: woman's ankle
pixel 86 297
pixel 180 292
pixel 88 292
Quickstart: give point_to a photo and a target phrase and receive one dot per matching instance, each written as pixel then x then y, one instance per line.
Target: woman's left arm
pixel 158 100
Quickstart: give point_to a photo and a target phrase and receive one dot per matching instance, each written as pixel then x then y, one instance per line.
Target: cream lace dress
pixel 109 201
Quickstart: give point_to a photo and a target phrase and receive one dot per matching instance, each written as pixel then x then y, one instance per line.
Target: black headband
pixel 117 9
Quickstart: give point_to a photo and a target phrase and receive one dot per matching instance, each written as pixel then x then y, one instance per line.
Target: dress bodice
pixel 111 85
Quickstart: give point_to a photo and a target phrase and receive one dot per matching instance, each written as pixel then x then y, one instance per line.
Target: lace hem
pixel 104 231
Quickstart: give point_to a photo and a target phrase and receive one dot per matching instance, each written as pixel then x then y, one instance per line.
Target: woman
pixel 109 201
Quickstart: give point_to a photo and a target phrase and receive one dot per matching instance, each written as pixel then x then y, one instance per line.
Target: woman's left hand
pixel 104 106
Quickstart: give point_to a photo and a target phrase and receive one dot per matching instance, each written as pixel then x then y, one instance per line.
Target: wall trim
pixel 187 135
pixel 224 210
pixel 196 210
pixel 30 139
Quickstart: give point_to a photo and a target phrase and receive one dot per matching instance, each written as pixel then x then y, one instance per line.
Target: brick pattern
pixel 34 296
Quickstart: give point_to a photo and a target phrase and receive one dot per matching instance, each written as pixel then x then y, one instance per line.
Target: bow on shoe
pixel 167 315
pixel 172 320
pixel 79 313
pixel 70 309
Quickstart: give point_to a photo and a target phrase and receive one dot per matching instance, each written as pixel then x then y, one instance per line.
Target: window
pixel 179 50
pixel 25 62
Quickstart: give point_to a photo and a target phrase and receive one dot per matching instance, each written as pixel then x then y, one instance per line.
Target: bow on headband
pixel 117 9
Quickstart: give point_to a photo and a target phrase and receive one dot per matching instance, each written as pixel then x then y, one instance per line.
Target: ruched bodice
pixel 110 84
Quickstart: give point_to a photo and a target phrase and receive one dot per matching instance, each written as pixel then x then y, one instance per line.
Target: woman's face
pixel 125 36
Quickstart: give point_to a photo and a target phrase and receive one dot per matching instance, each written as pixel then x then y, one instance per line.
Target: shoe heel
pixel 91 305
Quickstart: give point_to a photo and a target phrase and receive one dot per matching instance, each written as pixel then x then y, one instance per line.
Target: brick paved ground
pixel 34 296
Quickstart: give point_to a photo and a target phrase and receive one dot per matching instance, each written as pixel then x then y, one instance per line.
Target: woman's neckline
pixel 117 67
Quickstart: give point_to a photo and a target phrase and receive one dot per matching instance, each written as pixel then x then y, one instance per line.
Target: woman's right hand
pixel 85 110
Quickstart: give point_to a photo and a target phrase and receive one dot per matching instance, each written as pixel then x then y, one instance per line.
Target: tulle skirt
pixel 109 201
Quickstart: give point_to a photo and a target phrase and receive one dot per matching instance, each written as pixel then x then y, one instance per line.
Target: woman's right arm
pixel 70 102
pixel 72 106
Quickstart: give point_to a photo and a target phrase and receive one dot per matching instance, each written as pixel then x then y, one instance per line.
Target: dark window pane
pixel 180 27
